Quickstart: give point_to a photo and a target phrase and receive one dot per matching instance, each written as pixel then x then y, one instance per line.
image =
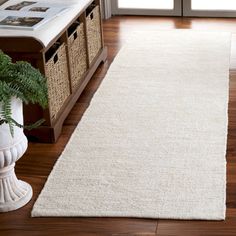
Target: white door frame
pixel 106 9
pixel 187 11
pixel 177 11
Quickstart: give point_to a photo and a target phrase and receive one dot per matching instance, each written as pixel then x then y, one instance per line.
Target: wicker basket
pixel 93 33
pixel 77 55
pixel 56 71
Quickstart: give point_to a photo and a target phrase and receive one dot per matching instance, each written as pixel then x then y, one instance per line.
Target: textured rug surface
pixel 153 141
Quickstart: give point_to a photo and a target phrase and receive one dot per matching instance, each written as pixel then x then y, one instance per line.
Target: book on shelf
pixel 29 15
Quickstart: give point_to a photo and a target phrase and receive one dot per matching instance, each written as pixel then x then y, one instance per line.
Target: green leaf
pixel 23 81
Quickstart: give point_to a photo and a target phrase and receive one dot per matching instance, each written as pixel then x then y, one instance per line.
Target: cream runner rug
pixel 153 141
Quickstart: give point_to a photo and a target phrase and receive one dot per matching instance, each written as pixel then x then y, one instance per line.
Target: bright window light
pixel 146 4
pixel 214 5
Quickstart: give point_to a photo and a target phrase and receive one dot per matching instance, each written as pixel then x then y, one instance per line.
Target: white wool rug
pixel 152 143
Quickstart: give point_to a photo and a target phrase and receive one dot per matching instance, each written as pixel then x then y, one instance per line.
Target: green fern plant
pixel 22 81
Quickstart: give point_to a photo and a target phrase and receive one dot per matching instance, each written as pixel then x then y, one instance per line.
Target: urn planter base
pixel 14 193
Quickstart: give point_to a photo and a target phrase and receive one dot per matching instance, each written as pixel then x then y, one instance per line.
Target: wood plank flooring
pixel 39 159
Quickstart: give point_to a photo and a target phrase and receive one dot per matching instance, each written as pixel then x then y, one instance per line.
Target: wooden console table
pixel 67 50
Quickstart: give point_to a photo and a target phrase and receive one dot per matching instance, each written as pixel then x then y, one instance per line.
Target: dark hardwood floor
pixel 39 159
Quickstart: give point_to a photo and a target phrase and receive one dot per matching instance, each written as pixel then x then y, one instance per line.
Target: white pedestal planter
pixel 14 193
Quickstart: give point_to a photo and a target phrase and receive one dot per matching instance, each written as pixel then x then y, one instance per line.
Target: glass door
pixel 147 7
pixel 212 8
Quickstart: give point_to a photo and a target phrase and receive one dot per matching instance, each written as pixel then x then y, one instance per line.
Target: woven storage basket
pixel 56 71
pixel 93 33
pixel 77 55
